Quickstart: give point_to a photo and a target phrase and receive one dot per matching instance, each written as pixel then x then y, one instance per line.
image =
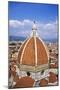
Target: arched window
pixel 42 72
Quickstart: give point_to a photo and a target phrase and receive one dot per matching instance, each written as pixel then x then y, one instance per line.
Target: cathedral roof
pixel 33 53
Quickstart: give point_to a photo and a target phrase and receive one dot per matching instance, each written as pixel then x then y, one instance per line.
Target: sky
pixel 21 16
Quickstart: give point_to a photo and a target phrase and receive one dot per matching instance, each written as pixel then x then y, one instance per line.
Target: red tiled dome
pixel 33 52
pixel 29 53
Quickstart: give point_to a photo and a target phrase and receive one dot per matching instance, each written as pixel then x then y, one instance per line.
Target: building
pixel 33 55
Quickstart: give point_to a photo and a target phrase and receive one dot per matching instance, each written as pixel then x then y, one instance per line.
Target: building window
pixel 42 72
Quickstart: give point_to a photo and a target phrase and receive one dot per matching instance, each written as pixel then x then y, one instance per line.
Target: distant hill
pixel 51 40
pixel 16 38
pixel 20 38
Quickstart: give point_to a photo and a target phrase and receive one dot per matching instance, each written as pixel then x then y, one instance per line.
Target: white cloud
pixel 28 21
pixel 17 23
pixel 24 27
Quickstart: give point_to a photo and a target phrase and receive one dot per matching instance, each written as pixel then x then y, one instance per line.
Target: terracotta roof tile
pixel 54 65
pixel 24 82
pixel 43 82
pixel 52 77
pixel 41 53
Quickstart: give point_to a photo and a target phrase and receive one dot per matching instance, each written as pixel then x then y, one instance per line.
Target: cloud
pixel 18 23
pixel 15 23
pixel 28 21
pixel 23 28
pixel 48 30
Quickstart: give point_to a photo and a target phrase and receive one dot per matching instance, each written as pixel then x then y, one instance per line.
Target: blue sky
pixel 21 17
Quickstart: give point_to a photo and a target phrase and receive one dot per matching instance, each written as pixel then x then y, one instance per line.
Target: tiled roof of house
pixel 43 82
pixel 52 77
pixel 24 82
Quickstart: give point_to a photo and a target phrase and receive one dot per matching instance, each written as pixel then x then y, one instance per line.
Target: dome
pixel 33 55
